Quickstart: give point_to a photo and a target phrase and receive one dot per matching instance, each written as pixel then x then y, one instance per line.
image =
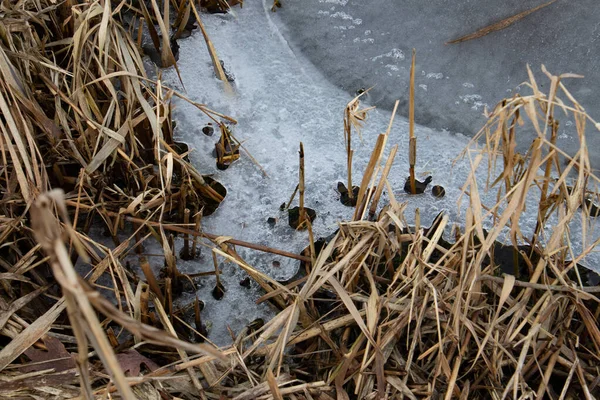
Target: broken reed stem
pixel 151 278
pixel 412 145
pixel 197 219
pixel 311 243
pixel 186 236
pixel 198 321
pixel 169 297
pixel 114 229
pixel 505 23
pixel 216 265
pixel 140 32
pixel 183 200
pixel 302 212
pixel 384 174
pixel 349 151
pixel 289 203
pixel 552 158
pixel 183 16
pixel 170 261
pixel 166 55
pixel 364 185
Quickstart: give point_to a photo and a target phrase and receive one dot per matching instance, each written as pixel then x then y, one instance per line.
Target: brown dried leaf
pixel 131 361
pixel 56 357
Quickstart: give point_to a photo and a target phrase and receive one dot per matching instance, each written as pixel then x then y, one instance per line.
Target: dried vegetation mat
pixel 383 310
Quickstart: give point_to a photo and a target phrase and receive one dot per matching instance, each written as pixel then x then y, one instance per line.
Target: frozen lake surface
pixel 356 43
pixel 281 99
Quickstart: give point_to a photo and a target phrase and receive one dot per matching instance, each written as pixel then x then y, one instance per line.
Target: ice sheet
pixel 561 36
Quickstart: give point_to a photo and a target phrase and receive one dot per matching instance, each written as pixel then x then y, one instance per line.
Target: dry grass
pixel 498 26
pixel 384 311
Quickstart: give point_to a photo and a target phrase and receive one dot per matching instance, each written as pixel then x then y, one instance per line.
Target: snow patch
pixel 346 17
pixel 435 75
pixel 394 53
pixel 474 100
pixel 337 2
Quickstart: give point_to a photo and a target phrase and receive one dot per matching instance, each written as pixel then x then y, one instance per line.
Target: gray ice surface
pixel 357 43
pixel 280 99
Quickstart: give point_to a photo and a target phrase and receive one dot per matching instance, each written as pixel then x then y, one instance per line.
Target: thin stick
pixel 183 199
pixel 375 156
pixel 169 297
pixel 197 219
pixel 505 23
pixel 349 151
pixel 311 240
pixel 289 203
pixel 140 31
pixel 412 145
pixel 538 286
pixel 198 321
pixel 216 265
pixel 236 242
pixel 172 271
pixel 384 174
pixel 194 233
pixel 302 213
pixel 186 236
pixel 241 146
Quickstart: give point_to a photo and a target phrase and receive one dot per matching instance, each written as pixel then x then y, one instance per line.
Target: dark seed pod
pixel 438 191
pixel 271 221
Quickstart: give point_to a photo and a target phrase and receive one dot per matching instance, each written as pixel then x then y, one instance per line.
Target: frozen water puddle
pixel 280 100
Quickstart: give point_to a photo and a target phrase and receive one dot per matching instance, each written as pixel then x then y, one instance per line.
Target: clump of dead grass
pixel 79 113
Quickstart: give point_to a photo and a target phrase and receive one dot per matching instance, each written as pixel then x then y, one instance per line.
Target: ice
pixel 394 53
pixel 280 100
pixel 562 37
pixel 435 75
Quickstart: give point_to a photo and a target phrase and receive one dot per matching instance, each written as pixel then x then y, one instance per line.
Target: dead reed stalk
pixel 412 144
